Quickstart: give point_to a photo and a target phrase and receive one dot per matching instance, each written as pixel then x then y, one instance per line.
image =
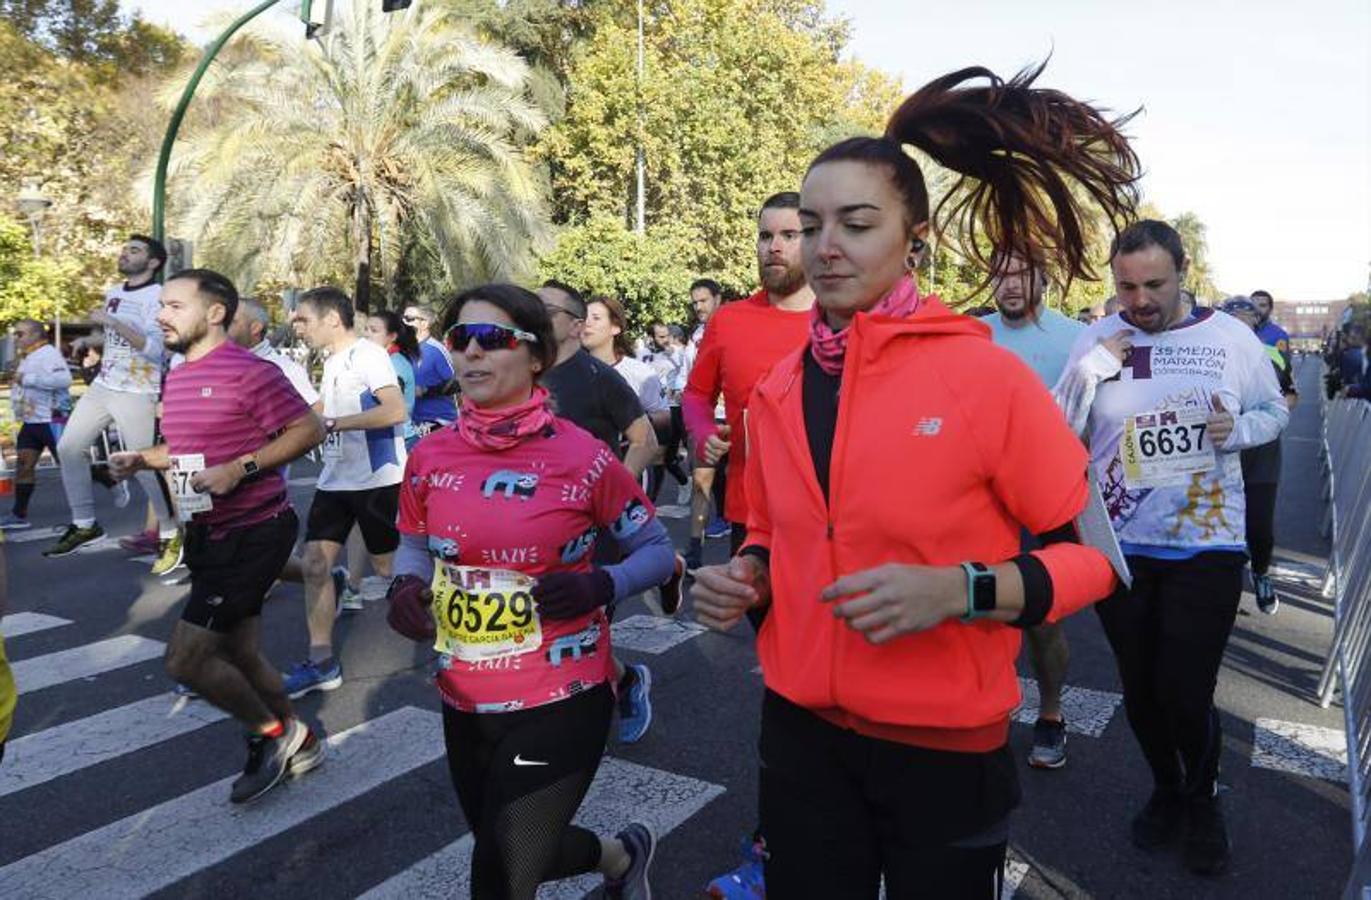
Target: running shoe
pixel 169 555
pixel 1267 601
pixel 306 677
pixel 307 758
pixel 635 705
pixel 718 528
pixel 745 882
pixel 185 690
pixel 670 590
pixel 268 759
pixel 641 842
pixel 1160 819
pixel 345 596
pixel 11 522
pixel 73 538
pixel 121 494
pixel 1206 837
pixel 1049 745
pixel 140 544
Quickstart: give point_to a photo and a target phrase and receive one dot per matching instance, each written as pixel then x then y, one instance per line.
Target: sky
pixel 1256 115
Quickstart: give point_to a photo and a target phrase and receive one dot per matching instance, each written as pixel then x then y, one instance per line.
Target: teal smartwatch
pixel 980 591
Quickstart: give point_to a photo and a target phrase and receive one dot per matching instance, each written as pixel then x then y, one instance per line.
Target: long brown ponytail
pixel 1018 151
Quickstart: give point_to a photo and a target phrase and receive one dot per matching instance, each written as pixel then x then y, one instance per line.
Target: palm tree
pixel 397 136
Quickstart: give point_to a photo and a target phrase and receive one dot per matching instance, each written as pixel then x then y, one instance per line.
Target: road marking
pixel 33 534
pixel 303 481
pixel 29 622
pixel 84 662
pixel 622 792
pixel 157 847
pixel 673 511
pixel 44 755
pixel 1307 750
pixel 652 634
pixel 1087 711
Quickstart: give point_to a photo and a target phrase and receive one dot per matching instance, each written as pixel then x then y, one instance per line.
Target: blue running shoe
pixel 635 706
pixel 745 882
pixel 718 528
pixel 307 676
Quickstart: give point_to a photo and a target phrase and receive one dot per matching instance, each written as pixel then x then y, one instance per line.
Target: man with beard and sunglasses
pixel 231 421
pixel 742 341
pixel 1042 338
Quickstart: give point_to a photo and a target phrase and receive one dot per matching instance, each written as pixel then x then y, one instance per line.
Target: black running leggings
pixel 520 812
pixel 1261 524
pixel 840 811
pixel 1168 634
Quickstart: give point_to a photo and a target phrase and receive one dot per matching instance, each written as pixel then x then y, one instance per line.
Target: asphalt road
pixel 112 789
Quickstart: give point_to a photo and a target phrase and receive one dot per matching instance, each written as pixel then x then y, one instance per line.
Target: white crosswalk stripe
pixel 1308 750
pixel 84 662
pixel 652 634
pixel 622 792
pixel 153 849
pixel 29 623
pixel 1087 711
pixel 36 758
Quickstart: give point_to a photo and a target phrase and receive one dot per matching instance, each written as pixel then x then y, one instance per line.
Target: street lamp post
pixel 33 203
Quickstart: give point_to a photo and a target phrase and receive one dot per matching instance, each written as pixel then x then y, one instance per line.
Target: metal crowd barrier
pixel 1346 453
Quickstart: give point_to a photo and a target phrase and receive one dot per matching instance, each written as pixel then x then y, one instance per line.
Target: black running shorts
pixel 231 574
pixel 333 513
pixel 36 436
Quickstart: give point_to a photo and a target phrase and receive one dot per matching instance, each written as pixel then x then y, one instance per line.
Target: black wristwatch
pixel 980 591
pixel 250 467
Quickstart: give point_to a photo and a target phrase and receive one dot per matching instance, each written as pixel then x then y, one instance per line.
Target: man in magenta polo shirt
pixel 230 421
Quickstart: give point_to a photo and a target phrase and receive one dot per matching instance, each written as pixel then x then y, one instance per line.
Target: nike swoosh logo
pixel 520 761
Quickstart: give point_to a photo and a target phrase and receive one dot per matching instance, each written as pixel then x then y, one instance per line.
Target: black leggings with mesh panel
pixel 520 777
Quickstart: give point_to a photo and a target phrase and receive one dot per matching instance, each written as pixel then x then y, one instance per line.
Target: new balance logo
pixel 520 761
pixel 928 426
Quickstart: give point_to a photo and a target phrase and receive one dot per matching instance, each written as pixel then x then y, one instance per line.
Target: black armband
pixel 1037 591
pixel 757 552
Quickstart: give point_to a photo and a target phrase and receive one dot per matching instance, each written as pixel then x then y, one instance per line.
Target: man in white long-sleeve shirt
pixel 1167 394
pixel 39 391
pixel 124 393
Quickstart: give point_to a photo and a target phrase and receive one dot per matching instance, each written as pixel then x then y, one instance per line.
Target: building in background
pixel 1308 322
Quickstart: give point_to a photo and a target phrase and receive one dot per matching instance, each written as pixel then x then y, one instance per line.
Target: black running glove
pixel 568 595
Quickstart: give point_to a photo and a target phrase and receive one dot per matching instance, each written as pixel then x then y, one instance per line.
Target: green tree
pixel 396 143
pixel 83 137
pixel 35 288
pixel 648 272
pixel 95 34
pixel 737 98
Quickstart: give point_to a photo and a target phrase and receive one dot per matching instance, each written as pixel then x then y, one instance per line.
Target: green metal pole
pixel 159 185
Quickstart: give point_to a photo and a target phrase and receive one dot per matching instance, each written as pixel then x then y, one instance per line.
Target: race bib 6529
pixel 484 613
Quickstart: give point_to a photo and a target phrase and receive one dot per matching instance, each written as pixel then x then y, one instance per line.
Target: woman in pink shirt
pixel 498 514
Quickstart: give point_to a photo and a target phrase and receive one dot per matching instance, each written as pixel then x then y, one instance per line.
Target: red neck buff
pixel 501 429
pixel 828 347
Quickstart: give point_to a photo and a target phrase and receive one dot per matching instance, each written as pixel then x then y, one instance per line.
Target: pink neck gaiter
pixel 828 347
pixel 501 429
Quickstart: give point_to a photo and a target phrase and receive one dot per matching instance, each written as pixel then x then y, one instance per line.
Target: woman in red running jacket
pixel 892 462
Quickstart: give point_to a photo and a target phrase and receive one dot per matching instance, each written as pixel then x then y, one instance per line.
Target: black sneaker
pixel 268 759
pixel 641 842
pixel 1267 601
pixel 1049 745
pixel 1206 837
pixel 1160 819
pixel 74 538
pixel 670 590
